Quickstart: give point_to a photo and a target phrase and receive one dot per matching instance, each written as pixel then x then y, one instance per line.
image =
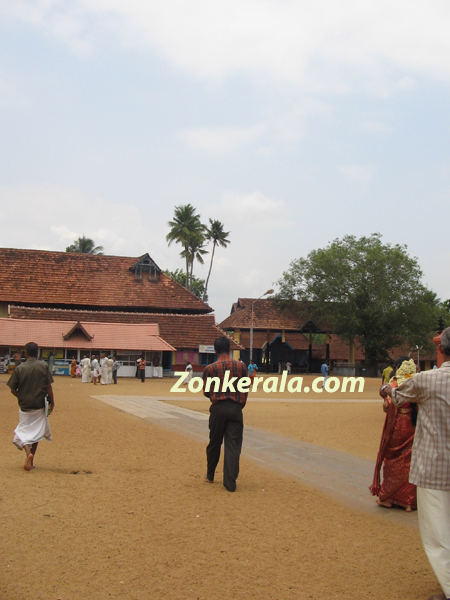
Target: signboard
pixel 61 367
pixel 206 349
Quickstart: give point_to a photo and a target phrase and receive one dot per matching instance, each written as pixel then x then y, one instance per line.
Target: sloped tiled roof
pixel 106 336
pixel 181 331
pixel 297 341
pixel 67 279
pixel 267 314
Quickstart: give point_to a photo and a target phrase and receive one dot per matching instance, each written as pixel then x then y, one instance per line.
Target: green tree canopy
pixel 369 291
pixel 84 245
pixel 198 285
pixel 219 237
pixel 186 229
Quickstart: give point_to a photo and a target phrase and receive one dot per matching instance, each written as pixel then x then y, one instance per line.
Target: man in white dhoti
pixel 95 370
pixel 430 461
pixel 31 383
pixel 110 371
pixel 103 370
pixel 85 370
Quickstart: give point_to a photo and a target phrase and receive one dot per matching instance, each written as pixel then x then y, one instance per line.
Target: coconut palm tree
pixel 84 245
pixel 187 230
pixel 218 237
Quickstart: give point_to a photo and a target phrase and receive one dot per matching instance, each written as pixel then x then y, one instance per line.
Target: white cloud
pixel 253 210
pixel 52 217
pixel 358 173
pixel 221 140
pixel 327 44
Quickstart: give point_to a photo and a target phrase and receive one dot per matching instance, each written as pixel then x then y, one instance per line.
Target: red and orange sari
pixel 394 456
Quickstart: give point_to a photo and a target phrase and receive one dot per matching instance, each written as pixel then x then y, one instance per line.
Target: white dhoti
pixel 86 375
pixel 33 427
pixel 109 375
pixel 433 507
pixel 104 375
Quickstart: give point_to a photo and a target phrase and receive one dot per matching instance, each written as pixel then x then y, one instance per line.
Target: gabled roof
pixel 268 314
pixel 105 336
pixel 181 331
pixel 78 327
pixel 71 280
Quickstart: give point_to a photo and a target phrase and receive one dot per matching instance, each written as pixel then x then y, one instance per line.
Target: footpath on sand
pixel 343 476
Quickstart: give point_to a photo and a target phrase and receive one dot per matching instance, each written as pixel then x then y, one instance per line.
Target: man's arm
pixel 404 393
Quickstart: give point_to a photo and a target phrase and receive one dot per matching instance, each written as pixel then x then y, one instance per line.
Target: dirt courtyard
pixel 117 508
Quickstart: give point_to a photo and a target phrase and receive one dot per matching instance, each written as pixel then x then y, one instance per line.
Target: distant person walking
pixel 142 366
pixel 51 362
pixel 324 371
pixel 31 382
pixel 190 370
pixel 252 368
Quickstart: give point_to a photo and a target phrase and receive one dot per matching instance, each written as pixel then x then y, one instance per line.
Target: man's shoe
pixel 229 489
pixel 209 480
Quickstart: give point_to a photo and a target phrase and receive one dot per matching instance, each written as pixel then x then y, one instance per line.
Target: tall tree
pixel 370 292
pixel 198 285
pixel 187 230
pixel 84 245
pixel 218 237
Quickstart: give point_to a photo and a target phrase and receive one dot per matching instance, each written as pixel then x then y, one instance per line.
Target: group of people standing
pixel 103 371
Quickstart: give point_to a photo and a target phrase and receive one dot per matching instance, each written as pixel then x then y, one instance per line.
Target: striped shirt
pixel 219 369
pixel 430 462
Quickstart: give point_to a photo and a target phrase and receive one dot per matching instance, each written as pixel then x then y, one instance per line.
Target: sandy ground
pixel 137 521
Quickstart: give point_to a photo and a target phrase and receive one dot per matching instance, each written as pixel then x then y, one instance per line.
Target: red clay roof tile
pixel 67 279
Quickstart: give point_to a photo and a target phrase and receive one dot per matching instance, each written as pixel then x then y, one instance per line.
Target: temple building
pixel 89 295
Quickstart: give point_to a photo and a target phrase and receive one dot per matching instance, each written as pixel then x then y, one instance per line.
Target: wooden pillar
pixel 327 355
pixel 351 352
pixel 310 353
pixel 267 351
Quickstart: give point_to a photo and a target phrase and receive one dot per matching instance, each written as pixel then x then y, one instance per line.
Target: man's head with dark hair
pixel 445 341
pixel 222 345
pixel 32 349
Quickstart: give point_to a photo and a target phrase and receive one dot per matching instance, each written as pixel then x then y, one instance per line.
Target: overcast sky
pixel 292 122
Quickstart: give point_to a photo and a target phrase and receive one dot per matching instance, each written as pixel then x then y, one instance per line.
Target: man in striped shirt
pixel 430 461
pixel 226 384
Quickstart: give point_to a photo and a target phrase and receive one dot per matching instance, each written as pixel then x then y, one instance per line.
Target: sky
pixel 294 123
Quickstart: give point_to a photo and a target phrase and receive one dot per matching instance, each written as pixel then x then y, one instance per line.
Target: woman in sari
pixel 395 448
pixel 73 368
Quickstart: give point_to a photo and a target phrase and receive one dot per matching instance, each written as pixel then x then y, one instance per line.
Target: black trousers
pixel 115 376
pixel 225 424
pixel 142 375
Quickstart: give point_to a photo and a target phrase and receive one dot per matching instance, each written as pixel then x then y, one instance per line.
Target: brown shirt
pixel 430 462
pixel 30 380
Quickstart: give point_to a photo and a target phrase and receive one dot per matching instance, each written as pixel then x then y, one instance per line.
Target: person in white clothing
pixel 110 372
pixel 95 370
pixel 103 370
pixel 85 370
